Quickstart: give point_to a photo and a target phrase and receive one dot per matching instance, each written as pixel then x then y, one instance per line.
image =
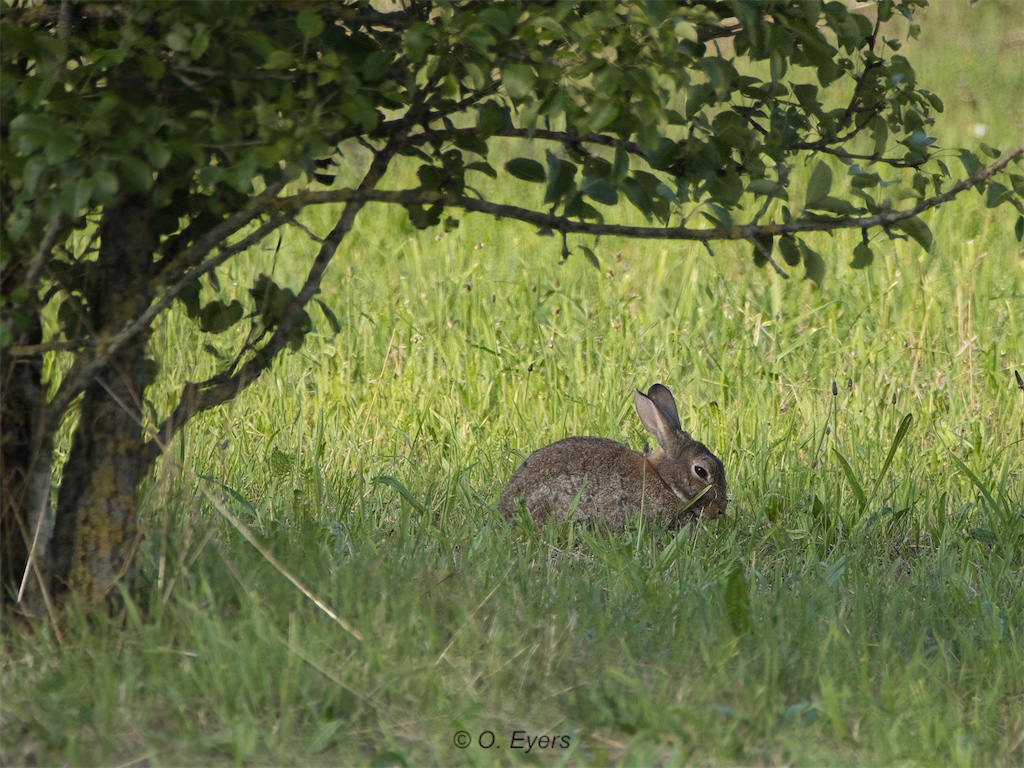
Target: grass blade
pixel 858 490
pixel 901 433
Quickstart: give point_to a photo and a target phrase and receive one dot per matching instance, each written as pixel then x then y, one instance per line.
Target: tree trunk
pixel 23 498
pixel 96 524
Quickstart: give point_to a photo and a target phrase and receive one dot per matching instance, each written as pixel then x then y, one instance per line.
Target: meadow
pixel 325 579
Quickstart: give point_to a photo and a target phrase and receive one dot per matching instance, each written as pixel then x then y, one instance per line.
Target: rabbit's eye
pixel 701 472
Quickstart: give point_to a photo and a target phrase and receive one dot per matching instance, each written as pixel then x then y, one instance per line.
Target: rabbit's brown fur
pixel 613 483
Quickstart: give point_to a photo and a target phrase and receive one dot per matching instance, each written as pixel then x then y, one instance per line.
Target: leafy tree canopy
pixel 145 144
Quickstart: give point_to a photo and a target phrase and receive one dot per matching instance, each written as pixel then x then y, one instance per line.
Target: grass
pixel 861 603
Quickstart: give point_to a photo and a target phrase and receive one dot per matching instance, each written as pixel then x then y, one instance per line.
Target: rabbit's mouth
pixel 712 511
pixel 704 504
pixel 713 506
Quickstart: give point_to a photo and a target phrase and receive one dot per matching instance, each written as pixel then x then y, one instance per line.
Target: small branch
pixel 564 225
pixel 704 35
pixel 824 148
pixel 85 368
pixel 43 251
pixel 214 74
pixel 861 80
pixel 38 350
pixel 178 261
pixel 198 397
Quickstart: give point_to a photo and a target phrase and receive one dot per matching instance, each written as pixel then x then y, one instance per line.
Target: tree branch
pixel 198 397
pixel 42 254
pixel 568 138
pixel 562 224
pixel 85 368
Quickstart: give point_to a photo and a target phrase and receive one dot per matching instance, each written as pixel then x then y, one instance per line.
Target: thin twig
pixel 563 224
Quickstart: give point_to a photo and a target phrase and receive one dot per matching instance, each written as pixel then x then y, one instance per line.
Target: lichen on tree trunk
pixel 96 523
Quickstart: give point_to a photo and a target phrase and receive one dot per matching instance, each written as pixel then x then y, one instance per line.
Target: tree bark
pixel 96 523
pixel 23 499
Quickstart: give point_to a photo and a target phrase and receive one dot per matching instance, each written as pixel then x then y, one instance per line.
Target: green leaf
pixel 153 67
pixel 765 187
pixel 76 195
pixel 332 319
pixel 762 249
pixel 576 208
pixel 862 256
pixel 814 265
pixel 834 571
pixel 789 247
pixel 32 130
pixel 492 117
pixel 978 483
pixel 136 173
pixel 423 217
pixel 990 151
pixel 549 24
pixel 820 184
pixel 377 65
pixel 970 162
pixel 985 535
pixel 561 174
pixel 271 300
pixel 807 95
pixel 200 41
pixel 157 152
pixel 901 433
pixel 404 492
pixel 600 114
pixel 832 205
pixel 71 316
pixel 916 229
pixel 190 298
pixel 217 317
pixel 591 257
pixel 864 180
pixel 418 40
pixel 431 178
pixel 621 165
pixel 303 325
pixel 472 143
pixel 996 194
pixel 179 38
pixel 62 145
pixel 484 168
pixel 858 490
pixel 309 23
pixel 880 134
pixel 278 60
pixel 518 80
pixel 105 186
pixel 637 195
pixel 721 75
pixel 1018 230
pixel 599 190
pixel 526 169
pixel 737 600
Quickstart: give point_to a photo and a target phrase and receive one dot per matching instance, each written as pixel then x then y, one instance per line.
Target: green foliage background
pixel 862 602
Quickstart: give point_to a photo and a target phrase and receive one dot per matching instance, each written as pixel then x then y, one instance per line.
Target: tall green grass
pixel 861 603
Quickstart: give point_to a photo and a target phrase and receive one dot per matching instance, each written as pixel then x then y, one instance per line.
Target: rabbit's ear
pixel 664 426
pixel 663 399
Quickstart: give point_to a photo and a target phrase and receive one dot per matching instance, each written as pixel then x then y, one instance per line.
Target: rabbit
pixel 595 479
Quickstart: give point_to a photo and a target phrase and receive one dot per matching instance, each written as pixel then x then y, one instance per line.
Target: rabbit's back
pixel 613 484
